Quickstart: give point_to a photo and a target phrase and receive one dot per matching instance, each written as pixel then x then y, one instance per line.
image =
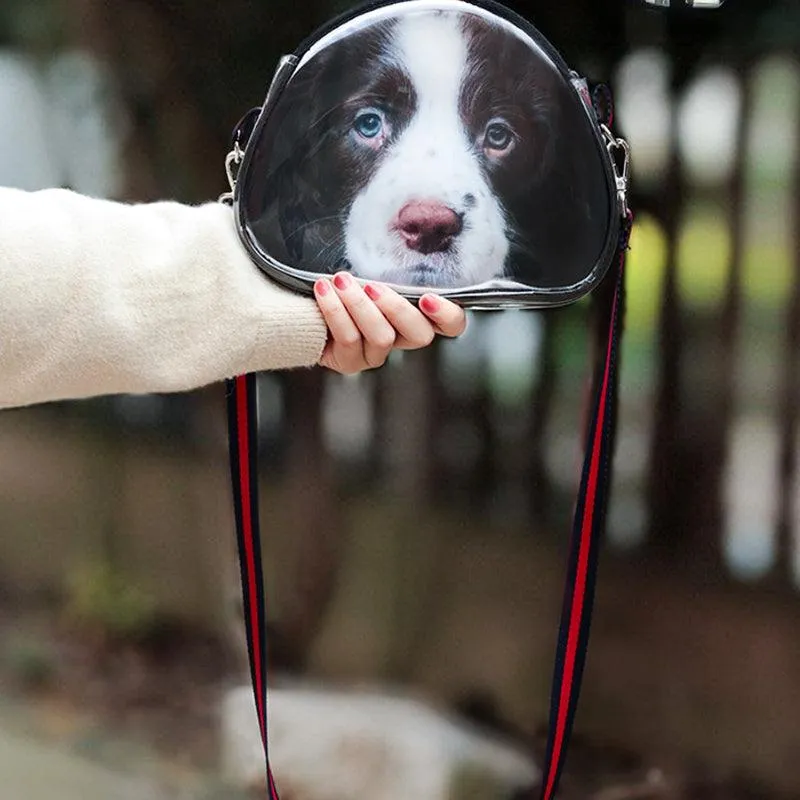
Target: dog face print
pixel 427 150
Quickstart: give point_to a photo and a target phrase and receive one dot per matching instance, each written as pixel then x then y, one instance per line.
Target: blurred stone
pixel 362 745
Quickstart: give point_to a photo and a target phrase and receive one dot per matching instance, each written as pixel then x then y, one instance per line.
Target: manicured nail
pixel 430 304
pixel 342 280
pixel 321 287
pixel 373 292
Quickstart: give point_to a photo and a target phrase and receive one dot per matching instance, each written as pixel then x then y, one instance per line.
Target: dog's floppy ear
pixel 573 202
pixel 539 93
pixel 287 196
pixel 293 222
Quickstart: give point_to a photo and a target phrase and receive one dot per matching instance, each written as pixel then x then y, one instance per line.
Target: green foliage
pixel 102 599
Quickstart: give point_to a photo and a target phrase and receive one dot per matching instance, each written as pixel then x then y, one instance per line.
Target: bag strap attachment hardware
pixel 619 152
pixel 232 163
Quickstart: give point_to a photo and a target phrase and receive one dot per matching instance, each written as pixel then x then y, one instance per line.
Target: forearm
pixel 99 297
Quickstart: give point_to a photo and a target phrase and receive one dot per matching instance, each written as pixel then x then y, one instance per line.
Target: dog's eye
pixel 498 136
pixel 368 124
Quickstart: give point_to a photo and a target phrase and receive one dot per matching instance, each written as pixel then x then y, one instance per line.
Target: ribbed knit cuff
pixel 294 335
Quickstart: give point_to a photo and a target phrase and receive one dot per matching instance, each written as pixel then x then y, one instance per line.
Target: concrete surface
pixel 32 770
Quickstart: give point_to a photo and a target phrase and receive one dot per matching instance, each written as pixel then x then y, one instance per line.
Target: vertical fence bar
pixel 790 400
pixel 731 312
pixel 663 478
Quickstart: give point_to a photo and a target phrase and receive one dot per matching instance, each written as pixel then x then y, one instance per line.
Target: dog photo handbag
pixel 445 146
pixel 432 146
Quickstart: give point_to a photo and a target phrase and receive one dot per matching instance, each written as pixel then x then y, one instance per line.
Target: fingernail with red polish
pixel 430 304
pixel 321 287
pixel 373 292
pixel 342 280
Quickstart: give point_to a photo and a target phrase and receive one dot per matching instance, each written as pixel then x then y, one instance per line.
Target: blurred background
pixel 416 518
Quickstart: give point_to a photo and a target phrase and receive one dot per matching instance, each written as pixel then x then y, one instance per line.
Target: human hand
pixel 366 324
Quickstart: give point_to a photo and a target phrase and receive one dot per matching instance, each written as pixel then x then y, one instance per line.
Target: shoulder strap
pixel 588 524
pixel 587 530
pixel 243 449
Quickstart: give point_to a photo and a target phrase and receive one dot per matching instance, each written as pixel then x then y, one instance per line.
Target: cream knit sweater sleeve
pixel 99 297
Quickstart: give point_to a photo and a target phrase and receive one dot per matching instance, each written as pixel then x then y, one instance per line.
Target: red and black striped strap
pixel 587 531
pixel 243 449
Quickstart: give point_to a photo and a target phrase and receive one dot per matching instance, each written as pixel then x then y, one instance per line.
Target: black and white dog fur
pixel 424 151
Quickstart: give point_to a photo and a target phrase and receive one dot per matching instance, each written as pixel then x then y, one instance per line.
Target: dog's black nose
pixel 428 226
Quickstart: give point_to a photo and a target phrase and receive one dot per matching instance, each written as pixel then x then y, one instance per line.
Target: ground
pixel 127 721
